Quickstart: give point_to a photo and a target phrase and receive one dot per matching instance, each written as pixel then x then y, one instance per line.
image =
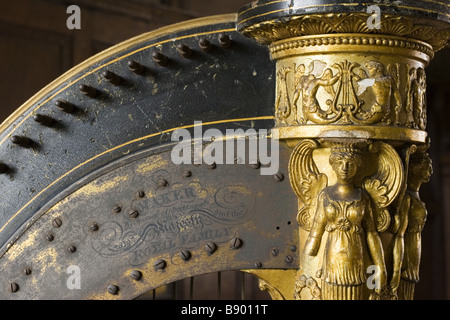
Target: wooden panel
pixel 22 49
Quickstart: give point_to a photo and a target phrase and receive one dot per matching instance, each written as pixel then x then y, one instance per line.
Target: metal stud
pixel 136 275
pixel 185 255
pixel 212 166
pixel 94 227
pixel 111 77
pixel 27 271
pixel 275 252
pixel 224 41
pixel 65 106
pixel 160 59
pixel 184 50
pixel 24 142
pixel 50 237
pixel 89 91
pixel 162 183
pixel 160 264
pixel 187 173
pixel 133 213
pixel 136 67
pixel 57 222
pixel 44 120
pixel 13 287
pixel 289 259
pixel 205 45
pixel 141 194
pixel 235 243
pixel 256 165
pixel 258 264
pixel 210 247
pixel 71 248
pixel 117 209
pixel 278 177
pixel 3 168
pixel 113 289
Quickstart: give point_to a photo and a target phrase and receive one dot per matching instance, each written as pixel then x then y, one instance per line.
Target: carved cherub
pixel 387 95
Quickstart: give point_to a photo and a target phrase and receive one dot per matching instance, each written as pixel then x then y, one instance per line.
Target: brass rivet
pixel 235 243
pixel 3 168
pixel 111 77
pixel 112 289
pixel 256 165
pixel 22 141
pixel 136 67
pixel 205 45
pixel 185 255
pixel 212 166
pixel 133 213
pixel 65 106
pixel 57 222
pixel 141 194
pixel 224 40
pixel 187 173
pixel 136 275
pixel 160 59
pixel 210 247
pixel 13 287
pixel 44 120
pixel 88 91
pixel 163 182
pixel 278 177
pixel 184 50
pixel 159 264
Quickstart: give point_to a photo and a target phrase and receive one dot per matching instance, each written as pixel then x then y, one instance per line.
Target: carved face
pixel 345 165
pixel 374 68
pixel 420 170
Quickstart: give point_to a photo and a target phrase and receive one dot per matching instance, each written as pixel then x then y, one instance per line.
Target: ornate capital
pixel 351 102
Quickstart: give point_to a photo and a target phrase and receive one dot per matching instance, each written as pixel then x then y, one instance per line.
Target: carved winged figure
pixel 352 214
pixel 408 224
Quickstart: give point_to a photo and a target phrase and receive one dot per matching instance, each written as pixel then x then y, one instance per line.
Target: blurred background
pixel 36 47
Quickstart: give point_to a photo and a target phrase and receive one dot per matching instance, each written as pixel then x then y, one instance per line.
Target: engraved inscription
pixel 180 216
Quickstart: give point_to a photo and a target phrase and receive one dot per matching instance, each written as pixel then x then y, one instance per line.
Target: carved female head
pixel 420 169
pixel 345 162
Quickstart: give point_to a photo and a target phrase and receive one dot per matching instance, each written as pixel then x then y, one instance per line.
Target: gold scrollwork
pixel 352 94
pixel 313 24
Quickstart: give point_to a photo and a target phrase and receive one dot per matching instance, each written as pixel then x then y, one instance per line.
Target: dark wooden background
pixel 36 47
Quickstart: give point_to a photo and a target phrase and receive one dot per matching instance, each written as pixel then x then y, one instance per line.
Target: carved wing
pixel 306 180
pixel 385 185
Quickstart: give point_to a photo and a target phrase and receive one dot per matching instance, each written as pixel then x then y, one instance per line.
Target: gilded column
pixel 351 103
